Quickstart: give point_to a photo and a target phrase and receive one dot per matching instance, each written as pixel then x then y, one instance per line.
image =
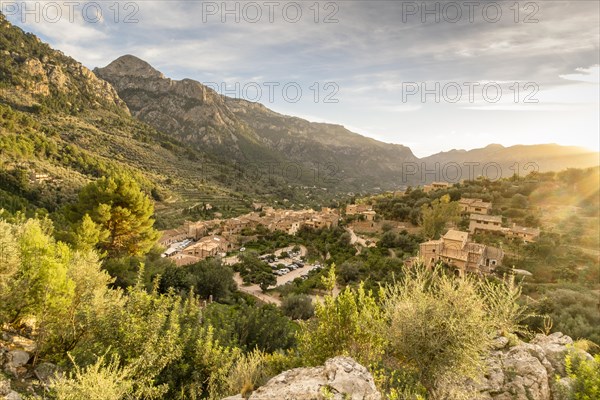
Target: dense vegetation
pixel 174 344
pixel 187 347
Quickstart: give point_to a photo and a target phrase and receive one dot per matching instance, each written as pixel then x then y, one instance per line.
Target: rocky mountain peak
pixel 186 108
pixel 129 65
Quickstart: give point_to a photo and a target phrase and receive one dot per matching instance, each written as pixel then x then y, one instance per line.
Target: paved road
pixel 255 291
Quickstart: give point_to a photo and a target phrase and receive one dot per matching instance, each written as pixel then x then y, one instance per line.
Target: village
pixel 196 241
pixel 224 238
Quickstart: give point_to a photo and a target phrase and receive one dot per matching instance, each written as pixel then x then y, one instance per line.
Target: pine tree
pixel 123 214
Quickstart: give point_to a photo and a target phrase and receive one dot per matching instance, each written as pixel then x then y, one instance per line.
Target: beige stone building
pixel 369 215
pixel 353 209
pixel 455 249
pixel 528 235
pixel 486 223
pixel 209 246
pixel 184 259
pixel 171 236
pixel 232 228
pixel 361 209
pixel 436 186
pixel 199 229
pixel 474 206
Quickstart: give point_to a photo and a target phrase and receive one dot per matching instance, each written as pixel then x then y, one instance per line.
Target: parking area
pixel 297 273
pixel 283 278
pixel 288 264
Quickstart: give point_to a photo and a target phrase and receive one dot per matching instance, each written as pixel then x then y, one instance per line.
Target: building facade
pixel 455 249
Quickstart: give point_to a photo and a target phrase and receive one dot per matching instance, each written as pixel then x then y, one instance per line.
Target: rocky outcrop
pixel 36 72
pixel 522 371
pixel 527 371
pixel 340 378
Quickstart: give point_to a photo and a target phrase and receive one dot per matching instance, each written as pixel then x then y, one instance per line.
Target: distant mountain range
pixel 250 133
pixel 496 159
pixel 189 145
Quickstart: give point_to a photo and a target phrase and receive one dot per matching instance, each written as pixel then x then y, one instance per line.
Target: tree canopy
pixel 116 213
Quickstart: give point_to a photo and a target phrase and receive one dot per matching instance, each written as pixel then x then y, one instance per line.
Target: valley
pixel 160 240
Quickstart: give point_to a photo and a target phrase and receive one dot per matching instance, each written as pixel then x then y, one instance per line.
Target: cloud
pixel 591 74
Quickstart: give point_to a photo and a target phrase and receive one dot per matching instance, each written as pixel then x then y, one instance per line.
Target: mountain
pixel 495 159
pixel 62 126
pixel 302 152
pixel 316 154
pixel 191 111
pixel 338 153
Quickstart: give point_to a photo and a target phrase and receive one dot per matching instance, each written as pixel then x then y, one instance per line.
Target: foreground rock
pixel 522 371
pixel 340 378
pixel 6 393
pixel 527 371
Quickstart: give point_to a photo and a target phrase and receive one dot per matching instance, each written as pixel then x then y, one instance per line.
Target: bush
pixel 99 381
pixel 438 327
pixel 585 375
pixel 349 324
pixel 298 306
pixel 104 380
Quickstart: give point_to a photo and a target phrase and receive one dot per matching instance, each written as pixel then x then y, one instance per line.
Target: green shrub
pixel 585 376
pixel 298 306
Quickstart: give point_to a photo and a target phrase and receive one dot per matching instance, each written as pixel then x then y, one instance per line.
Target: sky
pixel 434 76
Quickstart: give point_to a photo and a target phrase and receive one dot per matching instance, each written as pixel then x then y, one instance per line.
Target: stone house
pixel 369 215
pixel 171 236
pixel 209 246
pixel 455 249
pixel 435 186
pixel 483 222
pixel 353 209
pixel 528 235
pixel 474 206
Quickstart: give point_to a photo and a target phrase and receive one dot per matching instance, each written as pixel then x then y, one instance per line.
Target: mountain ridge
pixel 346 160
pixel 250 132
